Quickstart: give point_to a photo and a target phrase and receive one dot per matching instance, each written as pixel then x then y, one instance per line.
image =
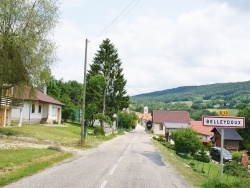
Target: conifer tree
pixel 107 63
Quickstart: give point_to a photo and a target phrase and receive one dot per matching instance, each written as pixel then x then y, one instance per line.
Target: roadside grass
pixel 19 163
pixel 67 135
pixel 195 172
pixel 178 163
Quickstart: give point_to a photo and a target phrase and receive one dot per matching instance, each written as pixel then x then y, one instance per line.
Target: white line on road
pixel 113 169
pixel 120 159
pixel 104 184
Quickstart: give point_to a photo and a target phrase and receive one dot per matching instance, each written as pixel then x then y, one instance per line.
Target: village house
pixel 37 107
pixel 231 138
pixel 204 132
pixel 165 122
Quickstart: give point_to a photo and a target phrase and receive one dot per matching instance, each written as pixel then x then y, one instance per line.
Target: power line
pixel 124 12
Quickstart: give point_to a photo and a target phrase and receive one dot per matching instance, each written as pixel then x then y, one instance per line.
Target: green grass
pixel 69 135
pixel 199 174
pixel 19 163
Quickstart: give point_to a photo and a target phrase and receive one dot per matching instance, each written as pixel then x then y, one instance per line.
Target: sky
pixel 162 44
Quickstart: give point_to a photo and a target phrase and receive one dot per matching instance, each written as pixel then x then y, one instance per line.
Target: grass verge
pixel 189 175
pixel 19 163
pixel 68 135
pixel 200 174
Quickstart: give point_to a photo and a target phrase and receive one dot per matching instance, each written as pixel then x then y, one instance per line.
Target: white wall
pixel 156 129
pixel 47 111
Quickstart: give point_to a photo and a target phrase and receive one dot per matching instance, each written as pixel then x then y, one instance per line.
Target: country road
pixel 126 161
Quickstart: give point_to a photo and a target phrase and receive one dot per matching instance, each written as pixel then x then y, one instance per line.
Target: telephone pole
pixel 83 133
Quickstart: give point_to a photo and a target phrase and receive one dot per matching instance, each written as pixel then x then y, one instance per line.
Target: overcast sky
pixel 163 44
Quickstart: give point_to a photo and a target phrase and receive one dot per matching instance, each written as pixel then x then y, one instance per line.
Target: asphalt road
pixel 127 161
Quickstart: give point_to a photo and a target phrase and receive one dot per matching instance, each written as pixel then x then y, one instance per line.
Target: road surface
pixel 127 161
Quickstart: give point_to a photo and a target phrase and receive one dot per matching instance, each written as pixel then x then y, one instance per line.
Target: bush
pixel 99 131
pixel 202 156
pixel 235 168
pixel 216 183
pixel 236 156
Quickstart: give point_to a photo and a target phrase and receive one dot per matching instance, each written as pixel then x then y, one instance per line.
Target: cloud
pixel 202 46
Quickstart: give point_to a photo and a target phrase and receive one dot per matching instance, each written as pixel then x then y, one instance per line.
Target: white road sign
pixel 223 121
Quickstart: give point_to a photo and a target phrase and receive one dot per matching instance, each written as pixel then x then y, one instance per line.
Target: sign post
pixel 223 122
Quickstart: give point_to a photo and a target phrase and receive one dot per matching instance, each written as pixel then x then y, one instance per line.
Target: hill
pixel 220 91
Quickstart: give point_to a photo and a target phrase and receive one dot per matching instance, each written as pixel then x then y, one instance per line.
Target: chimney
pixel 45 89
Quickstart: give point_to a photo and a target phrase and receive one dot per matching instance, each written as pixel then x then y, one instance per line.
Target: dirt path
pixel 25 142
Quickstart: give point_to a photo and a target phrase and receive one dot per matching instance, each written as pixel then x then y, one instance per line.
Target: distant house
pixel 165 121
pixel 204 132
pixel 231 138
pixel 38 108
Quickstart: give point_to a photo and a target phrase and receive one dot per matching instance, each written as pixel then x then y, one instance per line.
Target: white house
pixel 40 108
pixel 164 121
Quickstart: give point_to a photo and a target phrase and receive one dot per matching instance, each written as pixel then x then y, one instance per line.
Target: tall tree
pixel 107 63
pixel 94 97
pixel 26 49
pixel 245 133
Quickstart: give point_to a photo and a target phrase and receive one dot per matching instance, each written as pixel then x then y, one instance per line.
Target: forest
pixel 198 100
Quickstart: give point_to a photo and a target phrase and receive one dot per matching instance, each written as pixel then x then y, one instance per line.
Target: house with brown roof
pixel 38 108
pixel 165 121
pixel 231 138
pixel 204 132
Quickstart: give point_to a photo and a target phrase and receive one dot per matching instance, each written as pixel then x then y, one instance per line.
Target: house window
pixel 40 109
pixel 161 127
pixel 54 111
pixel 33 108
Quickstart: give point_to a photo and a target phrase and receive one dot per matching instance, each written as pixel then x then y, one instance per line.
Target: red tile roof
pixel 45 98
pixel 199 128
pixel 164 116
pixel 29 94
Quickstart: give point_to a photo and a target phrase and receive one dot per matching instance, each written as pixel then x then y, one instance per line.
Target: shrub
pixel 99 131
pixel 212 183
pixel 236 156
pixel 235 168
pixel 202 156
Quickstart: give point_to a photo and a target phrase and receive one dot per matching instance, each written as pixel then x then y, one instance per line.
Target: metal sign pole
pixel 221 153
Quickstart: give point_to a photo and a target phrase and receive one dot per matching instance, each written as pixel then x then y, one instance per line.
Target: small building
pixel 38 108
pixel 231 138
pixel 165 121
pixel 204 132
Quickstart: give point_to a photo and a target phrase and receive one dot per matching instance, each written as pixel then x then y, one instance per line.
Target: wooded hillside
pixel 223 91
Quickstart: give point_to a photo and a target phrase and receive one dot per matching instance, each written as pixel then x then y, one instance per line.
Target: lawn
pixel 18 163
pixel 66 135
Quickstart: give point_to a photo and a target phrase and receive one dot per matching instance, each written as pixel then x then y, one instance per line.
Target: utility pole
pixel 84 95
